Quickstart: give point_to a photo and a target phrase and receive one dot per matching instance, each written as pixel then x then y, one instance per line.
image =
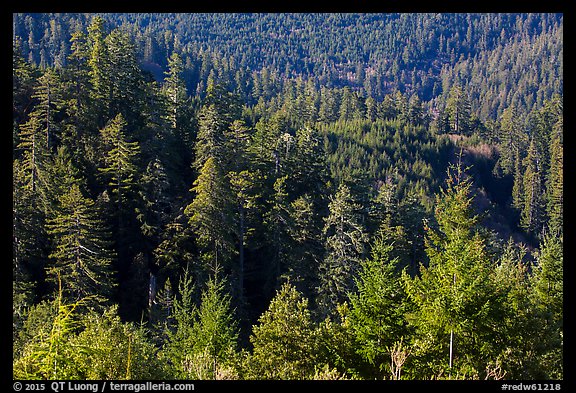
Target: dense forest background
pixel 288 196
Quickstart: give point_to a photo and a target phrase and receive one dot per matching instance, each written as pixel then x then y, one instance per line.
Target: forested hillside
pixel 287 196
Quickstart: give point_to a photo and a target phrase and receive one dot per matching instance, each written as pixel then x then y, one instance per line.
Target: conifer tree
pixel 520 325
pixel 49 94
pixel 284 340
pixel 237 138
pixel 210 141
pixel 161 311
pixel 548 292
pixel 276 222
pixel 154 189
pixel 518 185
pixel 29 248
pixel 344 245
pixel 555 181
pixel 125 86
pixel 377 309
pixel 306 245
pixel 48 354
pixel 245 196
pixel 82 254
pixel 215 332
pixel 23 79
pixel 179 336
pixel 456 301
pixel 308 171
pixel 34 152
pixel 510 139
pixel 62 174
pixel 210 215
pixel 458 109
pixel 531 215
pixel 219 110
pixel 78 75
pixel 120 162
pixel 98 64
pixel 174 89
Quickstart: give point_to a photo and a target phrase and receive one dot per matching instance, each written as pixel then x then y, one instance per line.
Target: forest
pixel 287 196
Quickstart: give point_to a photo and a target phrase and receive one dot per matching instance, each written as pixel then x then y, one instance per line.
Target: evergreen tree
pixel 98 68
pixel 34 152
pixel 277 223
pixel 125 88
pixel 49 94
pixel 161 312
pixel 113 349
pixel 345 241
pixel 377 310
pixel 519 327
pixel 154 192
pixel 82 254
pixel 456 301
pixel 284 340
pixel 177 350
pixel 327 111
pixel 265 149
pixel 210 215
pixel 518 184
pixel 306 245
pixel 48 354
pixel 458 109
pixel 62 174
pixel 23 80
pixel 210 141
pixel 120 162
pixel 386 217
pixel 174 89
pixel 244 187
pixel 532 210
pixel 78 75
pixel 110 349
pixel 29 249
pixel 237 138
pixel 308 171
pixel 215 333
pixel 510 138
pixel 555 181
pixel 549 297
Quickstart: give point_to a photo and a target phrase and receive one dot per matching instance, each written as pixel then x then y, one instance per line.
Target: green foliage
pixel 120 161
pixel 215 333
pixel 202 343
pixel 179 338
pixel 519 324
pixel 456 301
pixel 33 148
pixel 284 340
pixel 338 346
pixel 48 354
pixel 305 137
pixel 82 254
pixel 549 298
pixel 555 180
pixel 377 309
pixel 59 342
pixel 210 214
pixel 111 349
pixel 533 208
pixel 305 234
pixel 345 243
